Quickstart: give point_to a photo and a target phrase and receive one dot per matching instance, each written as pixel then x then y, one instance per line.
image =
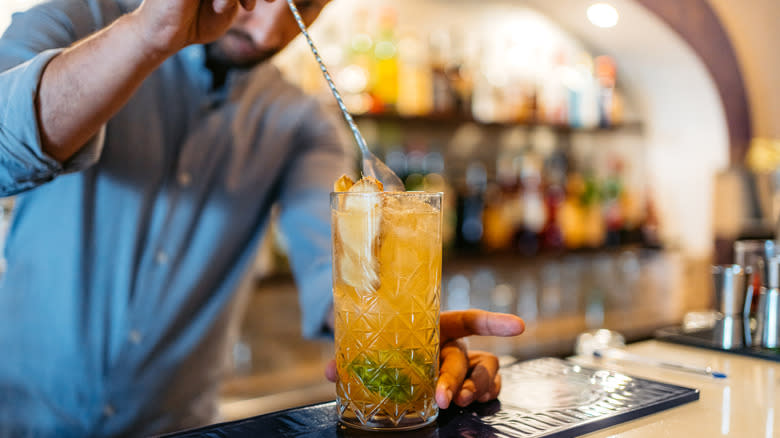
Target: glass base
pixel 383 423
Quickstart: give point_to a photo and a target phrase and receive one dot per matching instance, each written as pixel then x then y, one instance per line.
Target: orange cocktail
pixel 387 280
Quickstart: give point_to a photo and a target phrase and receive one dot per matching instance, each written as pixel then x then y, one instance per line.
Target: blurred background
pixel 596 158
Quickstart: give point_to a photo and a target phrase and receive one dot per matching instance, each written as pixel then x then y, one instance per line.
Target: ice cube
pixel 358 226
pixel 343 184
pixel 367 184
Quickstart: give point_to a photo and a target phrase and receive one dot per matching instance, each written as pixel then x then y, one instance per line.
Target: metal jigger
pixel 768 316
pixel 731 330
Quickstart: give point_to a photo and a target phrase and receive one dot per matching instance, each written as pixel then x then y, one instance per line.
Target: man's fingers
pixel 452 372
pixel 484 369
pixel 462 323
pixel 496 387
pixel 222 6
pixel 467 393
pixel 330 371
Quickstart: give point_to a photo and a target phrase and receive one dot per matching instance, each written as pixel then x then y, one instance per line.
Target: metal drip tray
pixel 551 397
pixel 540 398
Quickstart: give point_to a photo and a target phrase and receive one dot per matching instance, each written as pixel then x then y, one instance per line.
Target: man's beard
pixel 218 55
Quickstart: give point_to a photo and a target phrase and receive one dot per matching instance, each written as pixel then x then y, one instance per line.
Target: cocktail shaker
pixel 768 315
pixel 730 289
pixel 731 329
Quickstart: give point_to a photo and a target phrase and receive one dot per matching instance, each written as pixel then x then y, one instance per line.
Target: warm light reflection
pixel 603 15
pixel 725 412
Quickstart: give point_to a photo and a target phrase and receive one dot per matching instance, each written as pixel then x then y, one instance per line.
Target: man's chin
pixel 247 63
pixel 239 61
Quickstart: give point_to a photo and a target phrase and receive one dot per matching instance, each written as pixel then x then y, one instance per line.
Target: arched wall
pixel 697 23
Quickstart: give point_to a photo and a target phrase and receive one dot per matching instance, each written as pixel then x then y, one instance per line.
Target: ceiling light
pixel 603 15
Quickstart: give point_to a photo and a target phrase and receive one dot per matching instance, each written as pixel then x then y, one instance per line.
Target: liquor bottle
pixel 357 78
pixel 651 236
pixel 571 215
pixel 498 229
pixel 611 98
pixel 442 92
pixel 574 83
pixel 555 168
pixel 613 208
pixel 488 98
pixel 526 107
pixel 552 235
pixel 415 81
pixel 588 111
pixel 485 105
pixel 470 207
pixel 617 110
pixel 534 214
pixel 386 63
pixel 459 75
pixel 595 227
pixel 633 213
pixel 554 95
pixel 509 164
pixel 606 73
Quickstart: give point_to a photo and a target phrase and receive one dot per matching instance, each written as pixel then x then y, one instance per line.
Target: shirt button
pixel 108 410
pixel 185 179
pixel 161 258
pixel 135 336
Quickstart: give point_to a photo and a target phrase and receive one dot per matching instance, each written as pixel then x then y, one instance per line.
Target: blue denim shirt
pixel 124 263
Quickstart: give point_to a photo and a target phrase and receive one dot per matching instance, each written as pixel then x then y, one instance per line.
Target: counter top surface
pixel 745 404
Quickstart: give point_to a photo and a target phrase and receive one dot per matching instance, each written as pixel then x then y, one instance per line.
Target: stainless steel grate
pixel 552 397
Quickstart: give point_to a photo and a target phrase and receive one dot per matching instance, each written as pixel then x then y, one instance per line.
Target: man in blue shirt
pixel 146 155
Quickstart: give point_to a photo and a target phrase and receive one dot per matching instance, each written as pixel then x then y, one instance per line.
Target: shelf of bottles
pixel 386 68
pixel 521 190
pixel 497 130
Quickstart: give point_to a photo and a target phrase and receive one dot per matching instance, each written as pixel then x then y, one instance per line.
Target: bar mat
pixel 708 338
pixel 544 397
pixel 554 398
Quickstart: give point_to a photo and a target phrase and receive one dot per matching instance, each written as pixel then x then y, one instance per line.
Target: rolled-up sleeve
pixel 23 163
pixel 32 40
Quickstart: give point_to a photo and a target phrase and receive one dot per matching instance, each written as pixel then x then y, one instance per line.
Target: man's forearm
pixel 87 84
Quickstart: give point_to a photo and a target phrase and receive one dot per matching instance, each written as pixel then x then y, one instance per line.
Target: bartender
pixel 147 144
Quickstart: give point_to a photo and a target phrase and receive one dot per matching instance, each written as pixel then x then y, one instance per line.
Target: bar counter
pixel 742 405
pixel 745 404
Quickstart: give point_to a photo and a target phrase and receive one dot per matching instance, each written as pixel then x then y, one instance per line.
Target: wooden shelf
pixel 452 120
pixel 455 259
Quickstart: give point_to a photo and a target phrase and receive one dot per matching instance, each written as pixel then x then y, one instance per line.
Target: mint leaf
pixel 386 377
